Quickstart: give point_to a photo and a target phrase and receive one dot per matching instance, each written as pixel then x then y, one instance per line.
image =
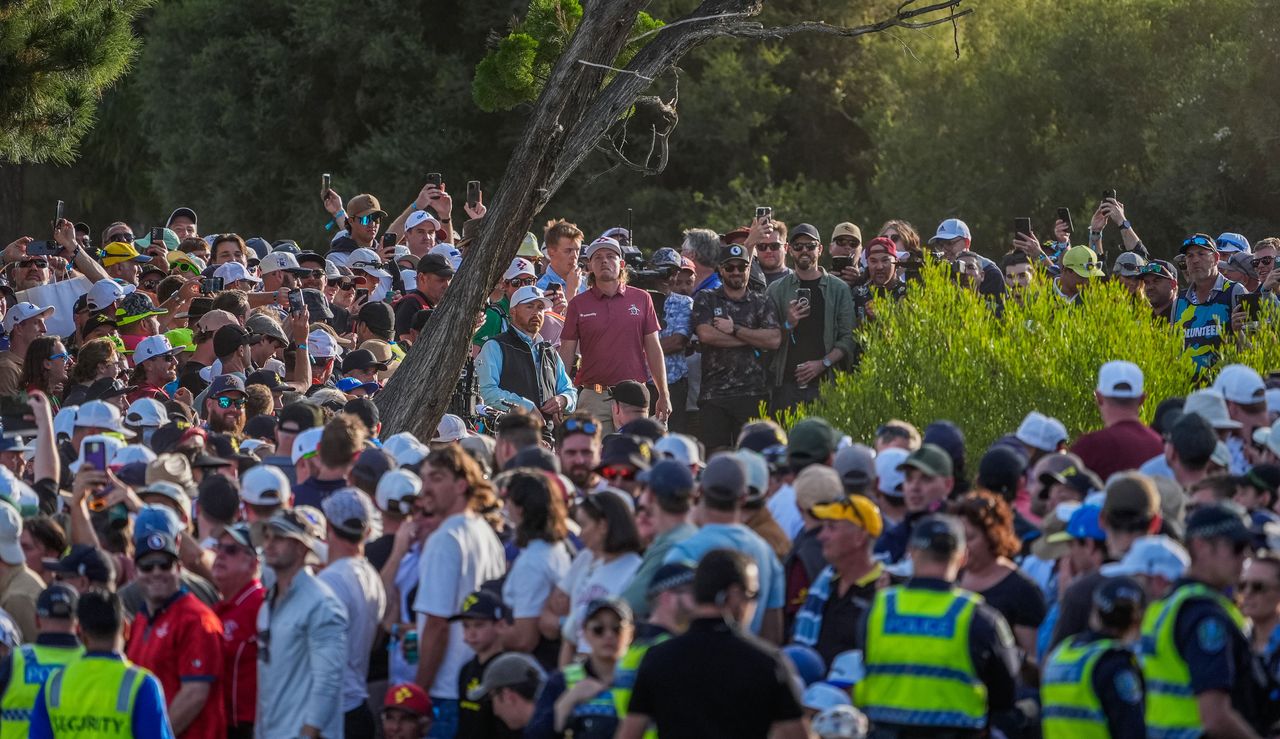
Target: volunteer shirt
pixel 610 332
pixel 239 615
pixel 182 642
pixel 456 559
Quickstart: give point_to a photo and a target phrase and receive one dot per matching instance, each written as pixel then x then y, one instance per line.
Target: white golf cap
pixel 99 414
pixel 306 443
pixel 1241 384
pixel 450 253
pixel 519 266
pixel 396 486
pixel 64 423
pixel 889 478
pixel 450 428
pixel 146 412
pixel 111 445
pixel 406 449
pixel 530 294
pixel 24 312
pixel 1119 379
pixel 131 453
pixel 681 448
pixel 105 292
pixel 1151 555
pixel 265 484
pixel 367 261
pixel 419 217
pixel 604 242
pixel 276 261
pixel 234 271
pixel 155 346
pixel 952 228
pixel 1041 432
pixel 320 343
pixel 1212 406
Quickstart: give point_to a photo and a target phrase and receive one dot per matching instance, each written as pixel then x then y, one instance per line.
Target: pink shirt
pixel 610 333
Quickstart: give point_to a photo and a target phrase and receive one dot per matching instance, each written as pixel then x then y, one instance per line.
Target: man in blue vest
pixel 1203 310
pixel 939 661
pixel 23 672
pixel 101 694
pixel 1092 684
pixel 517 366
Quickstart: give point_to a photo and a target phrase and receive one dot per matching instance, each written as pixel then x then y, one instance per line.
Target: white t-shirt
pixel 782 505
pixel 588 579
pixel 62 296
pixel 358 586
pixel 537 569
pixel 459 556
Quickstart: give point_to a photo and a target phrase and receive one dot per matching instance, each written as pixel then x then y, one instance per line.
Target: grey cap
pixel 170 490
pixel 349 511
pixel 856 465
pixel 725 477
pixel 511 670
pixel 1128 264
pixel 265 325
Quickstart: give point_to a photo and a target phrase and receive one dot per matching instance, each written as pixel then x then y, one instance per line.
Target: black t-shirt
pixel 840 619
pixel 809 344
pixel 408 307
pixel 1018 599
pixel 476 719
pixel 715 681
pixel 378 551
pixel 1074 607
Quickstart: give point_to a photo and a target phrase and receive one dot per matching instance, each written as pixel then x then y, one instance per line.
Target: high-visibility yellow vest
pixel 624 678
pixel 918 668
pixel 30 667
pixel 93 698
pixel 1071 708
pixel 1172 711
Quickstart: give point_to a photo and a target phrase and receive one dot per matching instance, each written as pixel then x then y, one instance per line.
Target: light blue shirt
pixel 489 372
pixel 742 539
pixel 549 277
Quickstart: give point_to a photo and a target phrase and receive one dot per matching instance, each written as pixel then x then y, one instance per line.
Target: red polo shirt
pixel 239 616
pixel 182 642
pixel 610 332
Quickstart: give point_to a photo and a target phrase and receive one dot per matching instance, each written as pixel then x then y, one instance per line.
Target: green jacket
pixel 837 320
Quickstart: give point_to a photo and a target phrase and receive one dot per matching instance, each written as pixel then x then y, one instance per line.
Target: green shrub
pixel 942 353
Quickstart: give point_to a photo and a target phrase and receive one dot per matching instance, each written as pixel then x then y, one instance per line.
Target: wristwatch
pixel 826 363
pixel 1125 225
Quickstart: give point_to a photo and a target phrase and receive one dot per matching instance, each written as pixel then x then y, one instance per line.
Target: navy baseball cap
pixel 84 560
pixel 482 604
pixel 669 576
pixel 156 541
pixel 57 601
pixel 939 534
pixel 668 479
pixel 225 384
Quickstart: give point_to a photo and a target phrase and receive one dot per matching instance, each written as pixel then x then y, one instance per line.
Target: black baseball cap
pixel 435 264
pixel 630 392
pixel 732 252
pixel 298 417
pixel 362 359
pixel 624 449
pixel 482 604
pixel 1119 600
pixel 1221 520
pixel 804 229
pixel 57 601
pixel 84 560
pixel 939 534
pixel 377 316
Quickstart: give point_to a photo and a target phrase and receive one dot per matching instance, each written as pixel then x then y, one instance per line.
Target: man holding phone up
pixel 816 313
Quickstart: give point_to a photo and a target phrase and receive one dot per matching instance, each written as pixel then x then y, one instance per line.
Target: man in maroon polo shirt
pixel 615 328
pixel 1125 442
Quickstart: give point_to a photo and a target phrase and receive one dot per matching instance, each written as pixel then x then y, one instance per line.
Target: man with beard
pixel 579 450
pixel 518 367
pixel 224 405
pixel 179 639
pixel 432 278
pixel 155 365
pixel 816 313
pixel 1203 310
pixel 733 325
pixel 769 239
pixel 1160 286
pixel 883 279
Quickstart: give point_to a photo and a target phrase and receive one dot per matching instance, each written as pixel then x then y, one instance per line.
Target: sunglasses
pixel 227 402
pixel 600 629
pixel 1263 261
pixel 188 267
pixel 522 282
pixel 846 241
pixel 124 236
pixel 1254 586
pixel 59 355
pixel 575 426
pixel 315 274
pixel 735 267
pixel 771 246
pixel 369 219
pixel 1199 241
pixel 347 285
pixel 164 565
pixel 895 238
pixel 618 472
pixel 37 263
pixel 804 245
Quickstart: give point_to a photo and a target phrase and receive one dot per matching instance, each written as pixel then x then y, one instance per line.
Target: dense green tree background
pixel 235 108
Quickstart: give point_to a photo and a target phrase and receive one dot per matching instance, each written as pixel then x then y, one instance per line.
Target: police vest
pixel 1172 711
pixel 1070 706
pixel 918 668
pixel 597 717
pixel 624 678
pixel 31 665
pixel 1204 325
pixel 93 697
pixel 527 371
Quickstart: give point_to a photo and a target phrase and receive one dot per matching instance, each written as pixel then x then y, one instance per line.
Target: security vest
pixel 527 370
pixel 1071 708
pixel 30 667
pixel 1204 324
pixel 918 668
pixel 93 698
pixel 624 677
pixel 597 717
pixel 1172 710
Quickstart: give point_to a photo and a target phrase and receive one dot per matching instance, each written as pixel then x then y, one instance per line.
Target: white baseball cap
pixel 519 266
pixel 156 346
pixel 133 453
pixel 1212 406
pixel 681 448
pixel 265 484
pixel 406 448
pixel 1241 384
pixel 368 262
pixel 235 271
pixel 100 414
pixel 278 260
pixel 306 443
pixel 419 217
pixel 604 242
pixel 24 312
pixel 146 412
pixel 105 292
pixel 1119 379
pixel 889 478
pixel 320 343
pixel 1041 432
pixel 952 228
pixel 450 253
pixel 1151 555
pixel 450 428
pixel 111 446
pixel 530 294
pixel 396 486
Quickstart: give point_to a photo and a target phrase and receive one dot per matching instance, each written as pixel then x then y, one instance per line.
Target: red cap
pixel 730 237
pixel 687 263
pixel 881 244
pixel 408 697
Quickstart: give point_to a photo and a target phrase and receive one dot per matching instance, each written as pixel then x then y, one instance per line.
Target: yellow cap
pixel 857 509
